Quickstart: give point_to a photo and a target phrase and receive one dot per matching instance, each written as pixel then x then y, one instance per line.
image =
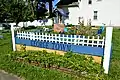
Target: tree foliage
pixel 16 10
pixel 22 10
pixel 3 10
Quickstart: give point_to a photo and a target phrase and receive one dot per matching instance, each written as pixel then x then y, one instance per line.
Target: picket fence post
pixel 13 37
pixel 107 49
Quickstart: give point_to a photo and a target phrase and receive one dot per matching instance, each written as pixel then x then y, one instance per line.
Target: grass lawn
pixel 29 72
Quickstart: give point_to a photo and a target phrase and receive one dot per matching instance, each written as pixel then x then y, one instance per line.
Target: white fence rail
pixel 61 38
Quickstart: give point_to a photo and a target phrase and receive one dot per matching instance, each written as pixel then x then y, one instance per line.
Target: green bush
pixel 75 62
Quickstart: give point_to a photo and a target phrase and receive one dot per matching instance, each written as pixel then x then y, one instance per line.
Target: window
pixel 95 15
pixel 90 2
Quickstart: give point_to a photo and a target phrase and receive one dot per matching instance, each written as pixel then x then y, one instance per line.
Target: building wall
pixel 74 13
pixel 108 10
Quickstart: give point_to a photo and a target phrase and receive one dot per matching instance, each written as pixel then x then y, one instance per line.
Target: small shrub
pixel 75 62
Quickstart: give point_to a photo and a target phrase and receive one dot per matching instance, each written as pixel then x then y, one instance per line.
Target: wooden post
pixel 107 50
pixel 13 37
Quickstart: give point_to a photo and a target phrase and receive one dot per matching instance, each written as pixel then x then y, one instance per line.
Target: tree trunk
pixel 50 8
pixel 52 21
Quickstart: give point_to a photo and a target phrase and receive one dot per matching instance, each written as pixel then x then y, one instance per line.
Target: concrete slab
pixel 6 76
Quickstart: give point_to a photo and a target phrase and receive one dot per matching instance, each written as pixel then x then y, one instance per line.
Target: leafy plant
pixel 74 62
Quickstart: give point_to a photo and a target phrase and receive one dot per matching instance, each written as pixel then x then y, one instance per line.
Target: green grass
pixel 34 73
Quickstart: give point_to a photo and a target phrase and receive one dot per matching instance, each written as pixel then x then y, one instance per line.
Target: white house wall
pixel 74 13
pixel 108 10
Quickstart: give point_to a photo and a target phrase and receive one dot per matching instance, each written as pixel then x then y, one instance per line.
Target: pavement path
pixel 6 76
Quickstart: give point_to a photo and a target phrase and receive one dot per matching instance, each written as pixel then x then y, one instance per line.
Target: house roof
pixel 62 12
pixel 66 2
pixel 75 4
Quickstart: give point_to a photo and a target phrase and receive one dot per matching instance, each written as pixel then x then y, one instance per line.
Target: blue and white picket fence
pixel 75 43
